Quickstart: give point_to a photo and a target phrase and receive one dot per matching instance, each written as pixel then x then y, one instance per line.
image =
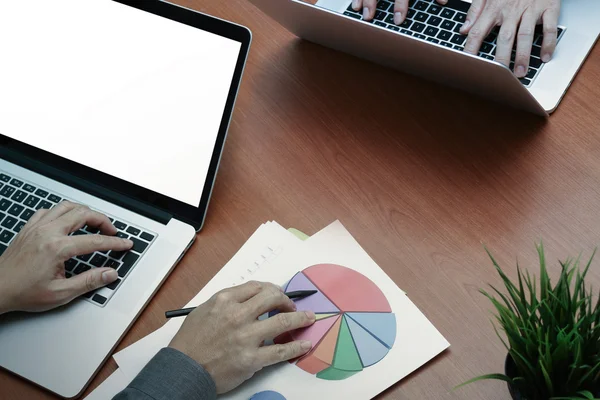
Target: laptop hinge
pixel 104 193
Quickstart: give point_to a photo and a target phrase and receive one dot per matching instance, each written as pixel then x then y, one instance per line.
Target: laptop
pixel 123 106
pixel 428 45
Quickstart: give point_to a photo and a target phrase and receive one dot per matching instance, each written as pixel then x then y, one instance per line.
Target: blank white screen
pixel 131 94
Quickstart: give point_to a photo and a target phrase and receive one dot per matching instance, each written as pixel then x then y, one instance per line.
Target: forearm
pixel 170 375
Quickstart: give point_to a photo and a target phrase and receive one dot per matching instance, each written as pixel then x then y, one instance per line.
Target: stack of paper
pixel 368 334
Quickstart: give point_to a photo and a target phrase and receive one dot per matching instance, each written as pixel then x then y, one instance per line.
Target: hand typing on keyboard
pixel 400 9
pixel 32 269
pixel 517 20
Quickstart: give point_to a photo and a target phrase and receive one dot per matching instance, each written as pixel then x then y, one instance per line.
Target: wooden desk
pixel 420 174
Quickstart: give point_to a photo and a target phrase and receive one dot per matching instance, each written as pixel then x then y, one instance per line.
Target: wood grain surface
pixel 420 174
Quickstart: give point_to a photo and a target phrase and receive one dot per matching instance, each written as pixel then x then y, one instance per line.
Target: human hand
pixel 400 8
pixel 517 20
pixel 32 270
pixel 225 337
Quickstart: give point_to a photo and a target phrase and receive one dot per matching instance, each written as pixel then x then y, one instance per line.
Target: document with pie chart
pixel 368 334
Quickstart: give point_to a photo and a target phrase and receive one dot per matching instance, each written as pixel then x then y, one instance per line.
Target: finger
pixel 269 355
pixel 369 7
pixel 356 5
pixel 524 43
pixel 242 293
pixel 284 322
pixel 479 31
pixel 400 11
pixel 88 281
pixel 442 2
pixel 270 298
pixel 550 21
pixel 87 244
pixel 505 41
pixel 60 209
pixel 82 215
pixel 473 15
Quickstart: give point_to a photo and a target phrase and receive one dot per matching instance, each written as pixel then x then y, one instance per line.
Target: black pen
pixel 298 294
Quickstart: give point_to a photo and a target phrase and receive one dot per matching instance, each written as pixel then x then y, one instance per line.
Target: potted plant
pixel 552 333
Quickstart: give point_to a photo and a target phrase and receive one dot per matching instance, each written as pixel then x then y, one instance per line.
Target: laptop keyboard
pixel 427 20
pixel 19 200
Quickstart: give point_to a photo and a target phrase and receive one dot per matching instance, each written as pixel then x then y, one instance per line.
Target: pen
pixel 298 294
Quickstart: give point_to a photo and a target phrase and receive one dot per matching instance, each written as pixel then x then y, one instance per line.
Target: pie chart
pixel 267 395
pixel 355 326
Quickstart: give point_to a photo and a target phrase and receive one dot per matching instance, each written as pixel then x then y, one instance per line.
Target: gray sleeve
pixel 170 375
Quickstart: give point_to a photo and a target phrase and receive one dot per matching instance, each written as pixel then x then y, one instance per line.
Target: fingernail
pixel 355 4
pixel 365 12
pixel 305 345
pixel 520 71
pixel 109 276
pixel 546 57
pixel 311 315
pixel 294 306
pixel 466 25
pixel 398 18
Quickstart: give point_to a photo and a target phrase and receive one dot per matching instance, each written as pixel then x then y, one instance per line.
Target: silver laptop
pixel 123 106
pixel 428 45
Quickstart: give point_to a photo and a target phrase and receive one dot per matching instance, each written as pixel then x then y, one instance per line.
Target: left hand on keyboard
pixel 32 271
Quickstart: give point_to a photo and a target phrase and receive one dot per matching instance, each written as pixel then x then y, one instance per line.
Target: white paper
pixel 257 254
pixel 112 386
pixel 417 340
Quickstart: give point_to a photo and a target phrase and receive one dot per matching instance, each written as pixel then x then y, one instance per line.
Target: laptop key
pixel 122 235
pixel 434 21
pixel 535 62
pixel 525 81
pixel 406 32
pixel 394 28
pixel 117 255
pixel 390 19
pixel 2 249
pixel 138 245
pixel 128 261
pixel 70 264
pixel 420 5
pixel 419 36
pixel 486 48
pixel 9 222
pixel 349 14
pixel 54 198
pixel 120 225
pixel 19 226
pixel 98 260
pixel 6 236
pixel 379 23
pixel 458 39
pixel 85 257
pixel 41 193
pixel 27 214
pixel 146 236
pixel 445 35
pixel 114 285
pixel 460 17
pixel 81 268
pixel 29 188
pixel 112 264
pixel 447 13
pixel 536 51
pixel 446 44
pixel 411 13
pixel 459 48
pixel 19 196
pixel 421 17
pixel 531 73
pixel 4 204
pixel 16 210
pixel 79 233
pixel 16 182
pixel 44 204
pixel 433 40
pixel 383 5
pixel 406 23
pixel 418 27
pixel 448 25
pixel 31 201
pixel 5 178
pixel 98 298
pixel 133 231
pixel 7 191
pixel 434 9
pixel 431 31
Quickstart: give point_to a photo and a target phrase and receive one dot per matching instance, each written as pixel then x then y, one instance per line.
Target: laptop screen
pixel 128 93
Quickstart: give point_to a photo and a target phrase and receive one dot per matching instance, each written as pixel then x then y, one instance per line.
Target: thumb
pixel 89 280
